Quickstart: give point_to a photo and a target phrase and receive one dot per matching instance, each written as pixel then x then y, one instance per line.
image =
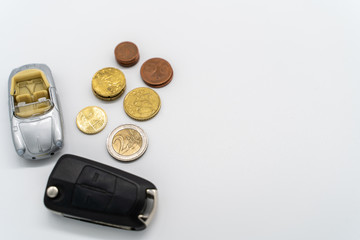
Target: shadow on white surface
pixel 88 230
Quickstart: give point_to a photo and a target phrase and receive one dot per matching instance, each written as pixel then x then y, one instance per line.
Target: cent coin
pixel 127 54
pixel 156 72
pixel 108 83
pixel 142 103
pixel 127 142
pixel 91 120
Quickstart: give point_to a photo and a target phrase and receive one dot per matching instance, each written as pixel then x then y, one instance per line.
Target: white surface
pixel 259 132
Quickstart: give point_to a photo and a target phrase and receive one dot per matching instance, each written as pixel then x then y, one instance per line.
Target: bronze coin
pixel 156 72
pixel 129 64
pixel 127 54
pixel 161 85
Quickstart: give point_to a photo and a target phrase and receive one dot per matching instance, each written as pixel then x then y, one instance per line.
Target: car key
pixel 87 190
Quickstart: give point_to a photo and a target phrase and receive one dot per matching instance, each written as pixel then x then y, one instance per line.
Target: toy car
pixel 35 116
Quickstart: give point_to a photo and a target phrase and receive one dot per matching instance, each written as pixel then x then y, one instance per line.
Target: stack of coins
pixel 126 142
pixel 108 83
pixel 127 54
pixel 156 72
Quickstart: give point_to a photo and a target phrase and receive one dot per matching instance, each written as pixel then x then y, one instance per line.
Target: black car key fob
pixel 87 190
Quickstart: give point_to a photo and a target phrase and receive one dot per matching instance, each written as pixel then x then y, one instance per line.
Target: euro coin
pixel 142 103
pixel 156 72
pixel 91 120
pixel 127 142
pixel 108 83
pixel 127 54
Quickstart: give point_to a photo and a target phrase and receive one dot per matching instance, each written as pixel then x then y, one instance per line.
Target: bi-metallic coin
pixel 127 142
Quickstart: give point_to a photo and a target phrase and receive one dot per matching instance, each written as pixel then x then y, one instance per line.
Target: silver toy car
pixel 35 116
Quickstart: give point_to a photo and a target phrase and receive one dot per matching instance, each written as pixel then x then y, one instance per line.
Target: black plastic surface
pixel 95 192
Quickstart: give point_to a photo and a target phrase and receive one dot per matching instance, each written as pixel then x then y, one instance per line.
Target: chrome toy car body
pixel 35 116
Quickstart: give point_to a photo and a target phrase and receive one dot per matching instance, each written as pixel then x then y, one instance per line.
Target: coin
pixel 127 54
pixel 91 120
pixel 108 83
pixel 160 85
pixel 156 72
pixel 127 142
pixel 142 103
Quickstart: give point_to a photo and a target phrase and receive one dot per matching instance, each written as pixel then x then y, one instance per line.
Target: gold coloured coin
pixel 127 142
pixel 91 120
pixel 108 83
pixel 108 98
pixel 142 103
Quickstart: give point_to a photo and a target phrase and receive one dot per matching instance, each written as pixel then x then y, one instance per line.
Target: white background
pixel 259 132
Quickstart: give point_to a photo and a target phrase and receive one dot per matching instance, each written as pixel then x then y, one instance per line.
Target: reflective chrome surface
pixel 52 192
pixel 151 205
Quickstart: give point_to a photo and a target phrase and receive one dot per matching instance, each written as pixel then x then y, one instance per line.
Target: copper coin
pixel 127 54
pixel 161 85
pixel 129 64
pixel 156 72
